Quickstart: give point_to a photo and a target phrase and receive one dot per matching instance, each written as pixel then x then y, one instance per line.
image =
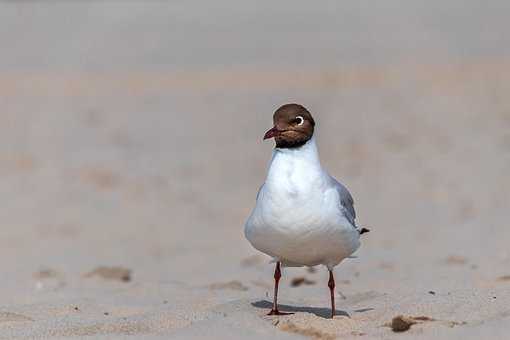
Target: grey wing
pixel 346 201
pixel 258 193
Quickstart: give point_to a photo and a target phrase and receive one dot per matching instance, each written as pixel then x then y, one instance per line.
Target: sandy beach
pixel 131 153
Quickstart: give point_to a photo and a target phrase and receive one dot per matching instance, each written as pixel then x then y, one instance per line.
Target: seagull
pixel 302 216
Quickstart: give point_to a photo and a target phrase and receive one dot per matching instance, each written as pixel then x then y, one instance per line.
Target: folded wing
pixel 346 201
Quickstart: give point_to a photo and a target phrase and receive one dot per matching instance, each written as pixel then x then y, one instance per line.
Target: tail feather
pixel 364 230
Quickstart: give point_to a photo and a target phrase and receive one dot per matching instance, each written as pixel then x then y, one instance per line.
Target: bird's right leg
pixel 277 276
pixel 331 285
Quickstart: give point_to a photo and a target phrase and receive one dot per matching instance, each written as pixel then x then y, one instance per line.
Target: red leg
pixel 277 276
pixel 331 285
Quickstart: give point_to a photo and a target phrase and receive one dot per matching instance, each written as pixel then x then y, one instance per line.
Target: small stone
pixel 401 323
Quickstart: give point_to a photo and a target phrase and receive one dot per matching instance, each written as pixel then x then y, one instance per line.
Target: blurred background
pixel 131 134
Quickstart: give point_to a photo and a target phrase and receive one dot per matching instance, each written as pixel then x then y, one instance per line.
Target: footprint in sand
pixel 504 278
pixel 456 260
pixel 48 278
pixel 111 273
pixel 13 317
pixel 299 281
pixel 233 285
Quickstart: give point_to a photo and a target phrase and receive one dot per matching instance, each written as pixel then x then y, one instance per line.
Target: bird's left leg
pixel 331 285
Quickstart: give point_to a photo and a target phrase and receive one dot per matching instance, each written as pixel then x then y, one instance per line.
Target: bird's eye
pixel 299 120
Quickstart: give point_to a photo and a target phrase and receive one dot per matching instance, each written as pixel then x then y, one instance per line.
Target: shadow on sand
pixel 320 312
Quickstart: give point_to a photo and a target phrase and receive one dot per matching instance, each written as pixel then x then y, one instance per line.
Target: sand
pixel 131 154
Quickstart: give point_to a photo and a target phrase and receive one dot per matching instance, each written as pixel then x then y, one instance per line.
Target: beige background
pixel 131 133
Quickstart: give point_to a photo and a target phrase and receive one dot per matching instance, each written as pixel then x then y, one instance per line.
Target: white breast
pixel 298 217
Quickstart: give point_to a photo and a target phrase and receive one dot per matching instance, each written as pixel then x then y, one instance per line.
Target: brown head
pixel 293 126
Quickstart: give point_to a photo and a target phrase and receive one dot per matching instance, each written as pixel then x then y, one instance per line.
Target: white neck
pixel 289 162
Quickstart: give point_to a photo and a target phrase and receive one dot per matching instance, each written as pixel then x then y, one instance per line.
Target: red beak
pixel 272 133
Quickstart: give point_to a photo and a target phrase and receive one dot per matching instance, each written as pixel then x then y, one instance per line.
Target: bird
pixel 302 216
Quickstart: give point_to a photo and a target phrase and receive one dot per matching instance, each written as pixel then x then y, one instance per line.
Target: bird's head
pixel 293 126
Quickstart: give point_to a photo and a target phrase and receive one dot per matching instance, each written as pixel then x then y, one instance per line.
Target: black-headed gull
pixel 303 216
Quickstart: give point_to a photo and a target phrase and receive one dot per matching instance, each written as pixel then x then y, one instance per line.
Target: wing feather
pixel 346 201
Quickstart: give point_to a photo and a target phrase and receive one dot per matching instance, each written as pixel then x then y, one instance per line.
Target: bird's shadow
pixel 320 312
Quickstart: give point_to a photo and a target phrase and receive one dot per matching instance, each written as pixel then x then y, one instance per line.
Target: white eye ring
pixel 301 120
